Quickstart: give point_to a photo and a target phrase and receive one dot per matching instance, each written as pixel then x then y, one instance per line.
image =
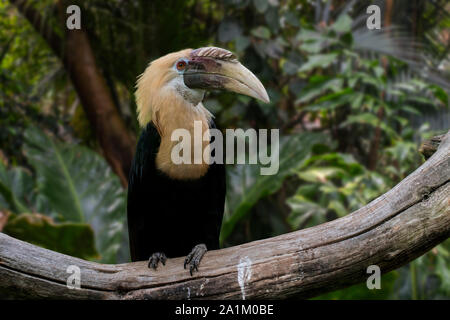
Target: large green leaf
pixel 246 185
pixel 18 192
pixel 75 239
pixel 81 187
pixel 14 185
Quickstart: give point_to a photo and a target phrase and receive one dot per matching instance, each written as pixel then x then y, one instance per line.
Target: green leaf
pixel 261 5
pixel 357 101
pixel 403 121
pixel 261 32
pixel 308 35
pixel 379 71
pixel 340 160
pixel 291 18
pixel 308 191
pixel 316 90
pixel 311 46
pixel 343 24
pixel 318 60
pixel 228 30
pixel 302 210
pixel 440 94
pixel 291 64
pixel 411 109
pixel 421 100
pixel 320 174
pixel 366 78
pixel 338 207
pixel 241 43
pixel 74 239
pixel 246 186
pixel 54 164
pixel 81 187
pixel 362 118
pixel 272 19
pixel 289 67
pixel 332 101
pixel 15 185
pixel 352 81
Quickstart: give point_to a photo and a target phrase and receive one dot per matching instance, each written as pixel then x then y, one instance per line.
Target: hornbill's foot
pixel 155 258
pixel 194 258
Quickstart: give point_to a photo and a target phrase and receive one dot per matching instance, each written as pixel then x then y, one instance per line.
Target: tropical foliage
pixel 349 103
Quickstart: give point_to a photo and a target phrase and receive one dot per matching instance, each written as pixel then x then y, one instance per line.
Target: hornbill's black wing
pixel 168 215
pixel 140 177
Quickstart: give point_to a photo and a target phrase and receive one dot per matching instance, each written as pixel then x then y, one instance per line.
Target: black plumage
pixel 168 215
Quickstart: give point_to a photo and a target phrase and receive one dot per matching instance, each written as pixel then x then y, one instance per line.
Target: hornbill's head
pixel 187 74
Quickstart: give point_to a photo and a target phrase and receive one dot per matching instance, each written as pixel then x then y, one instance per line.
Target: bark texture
pixel 390 231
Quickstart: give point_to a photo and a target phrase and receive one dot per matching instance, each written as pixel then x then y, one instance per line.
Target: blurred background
pixel 352 106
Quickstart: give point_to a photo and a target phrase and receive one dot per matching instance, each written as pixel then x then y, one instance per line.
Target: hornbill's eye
pixel 181 65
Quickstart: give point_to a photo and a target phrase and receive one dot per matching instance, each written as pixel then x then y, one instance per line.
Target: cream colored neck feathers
pixel 177 114
pixel 162 98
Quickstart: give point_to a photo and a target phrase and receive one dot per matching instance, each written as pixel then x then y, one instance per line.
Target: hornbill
pixel 174 209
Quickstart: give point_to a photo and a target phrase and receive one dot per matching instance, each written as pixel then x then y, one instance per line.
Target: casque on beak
pixel 217 68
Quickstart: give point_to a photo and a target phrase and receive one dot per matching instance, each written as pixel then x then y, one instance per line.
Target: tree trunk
pixel 111 132
pixel 78 58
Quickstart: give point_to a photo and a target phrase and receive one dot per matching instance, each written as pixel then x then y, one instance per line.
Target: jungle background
pixel 352 106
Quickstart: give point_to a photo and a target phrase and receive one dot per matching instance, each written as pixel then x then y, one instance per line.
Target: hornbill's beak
pixel 216 68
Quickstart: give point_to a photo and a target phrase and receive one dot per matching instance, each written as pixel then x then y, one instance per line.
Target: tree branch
pixel 392 230
pixel 429 147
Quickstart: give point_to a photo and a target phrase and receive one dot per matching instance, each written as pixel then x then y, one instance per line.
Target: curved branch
pixel 392 230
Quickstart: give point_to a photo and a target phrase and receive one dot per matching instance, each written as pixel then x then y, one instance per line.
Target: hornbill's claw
pixel 194 258
pixel 155 258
